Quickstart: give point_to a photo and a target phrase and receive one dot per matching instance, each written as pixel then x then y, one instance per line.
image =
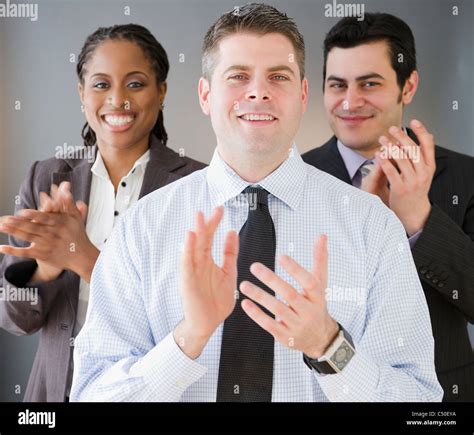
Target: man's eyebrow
pixel 368 76
pixel 237 67
pixel 272 69
pixel 281 68
pixel 336 79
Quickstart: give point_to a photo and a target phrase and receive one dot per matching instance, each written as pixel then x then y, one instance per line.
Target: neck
pixel 252 167
pixel 119 161
pixel 369 154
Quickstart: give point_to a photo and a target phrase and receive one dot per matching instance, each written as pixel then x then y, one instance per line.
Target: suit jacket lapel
pixel 80 177
pixel 158 172
pixel 331 161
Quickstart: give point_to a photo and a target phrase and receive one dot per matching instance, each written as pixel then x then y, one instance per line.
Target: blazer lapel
pixel 331 161
pixel 158 173
pixel 80 177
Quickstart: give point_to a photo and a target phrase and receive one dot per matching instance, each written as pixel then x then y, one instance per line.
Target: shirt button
pixel 116 213
pixel 124 184
pixel 441 285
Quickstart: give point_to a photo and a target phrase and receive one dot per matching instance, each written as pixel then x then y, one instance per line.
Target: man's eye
pixel 237 77
pixel 279 77
pixel 336 85
pixel 100 85
pixel 370 84
pixel 135 85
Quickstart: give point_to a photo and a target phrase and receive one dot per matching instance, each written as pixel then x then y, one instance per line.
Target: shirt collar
pixel 285 183
pixel 99 169
pixel 352 159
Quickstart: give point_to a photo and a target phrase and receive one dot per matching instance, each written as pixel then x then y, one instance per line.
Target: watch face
pixel 342 356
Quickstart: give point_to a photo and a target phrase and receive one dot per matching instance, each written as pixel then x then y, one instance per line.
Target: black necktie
pixel 246 362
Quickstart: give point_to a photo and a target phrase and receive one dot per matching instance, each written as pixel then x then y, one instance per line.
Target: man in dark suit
pixel 369 75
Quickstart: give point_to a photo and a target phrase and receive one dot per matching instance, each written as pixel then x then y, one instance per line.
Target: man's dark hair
pixel 375 27
pixel 257 18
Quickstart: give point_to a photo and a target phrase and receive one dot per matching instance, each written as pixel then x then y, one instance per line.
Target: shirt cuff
pixel 414 237
pixel 357 382
pixel 168 370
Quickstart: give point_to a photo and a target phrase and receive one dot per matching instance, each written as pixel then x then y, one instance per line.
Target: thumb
pixel 82 207
pixel 67 201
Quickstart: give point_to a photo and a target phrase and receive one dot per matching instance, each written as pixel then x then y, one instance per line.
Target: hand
pixel 304 324
pixel 409 170
pixel 57 236
pixel 208 291
pixel 49 204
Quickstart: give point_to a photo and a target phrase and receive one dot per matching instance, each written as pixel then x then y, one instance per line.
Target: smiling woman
pixel 54 240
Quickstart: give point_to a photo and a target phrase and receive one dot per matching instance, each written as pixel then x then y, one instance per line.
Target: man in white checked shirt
pixel 348 317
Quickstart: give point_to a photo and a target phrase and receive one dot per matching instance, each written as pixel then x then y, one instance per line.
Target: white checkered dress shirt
pixel 126 350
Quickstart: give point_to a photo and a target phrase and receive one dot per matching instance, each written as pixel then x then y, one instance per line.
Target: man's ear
pixel 411 85
pixel 304 94
pixel 204 90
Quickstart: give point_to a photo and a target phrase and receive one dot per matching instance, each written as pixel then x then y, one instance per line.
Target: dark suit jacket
pixel 444 257
pixel 55 313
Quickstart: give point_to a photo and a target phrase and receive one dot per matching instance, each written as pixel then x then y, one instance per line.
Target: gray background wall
pixel 35 69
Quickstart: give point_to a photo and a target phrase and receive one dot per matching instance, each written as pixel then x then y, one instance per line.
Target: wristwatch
pixel 336 357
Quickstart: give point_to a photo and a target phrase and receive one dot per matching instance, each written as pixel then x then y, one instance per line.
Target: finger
pixel 212 225
pixel 55 194
pixel 410 148
pixel 187 259
pixel 320 261
pixel 279 286
pixel 44 218
pixel 304 278
pixel 82 207
pixel 388 168
pixel 271 303
pixel 272 326
pixel 23 224
pixel 205 231
pixel 46 203
pixel 405 165
pixel 17 252
pixel 15 232
pixel 67 200
pixel 202 248
pixel 426 140
pixel 231 252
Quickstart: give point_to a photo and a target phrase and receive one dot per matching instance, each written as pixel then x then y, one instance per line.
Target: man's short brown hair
pixel 252 18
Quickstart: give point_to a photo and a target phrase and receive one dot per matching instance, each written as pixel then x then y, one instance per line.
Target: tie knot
pixel 256 195
pixel 366 167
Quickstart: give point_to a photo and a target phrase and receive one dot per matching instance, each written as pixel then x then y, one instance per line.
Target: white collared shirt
pixel 105 208
pixel 126 350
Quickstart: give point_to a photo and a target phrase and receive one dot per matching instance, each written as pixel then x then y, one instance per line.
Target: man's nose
pixel 353 98
pixel 258 91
